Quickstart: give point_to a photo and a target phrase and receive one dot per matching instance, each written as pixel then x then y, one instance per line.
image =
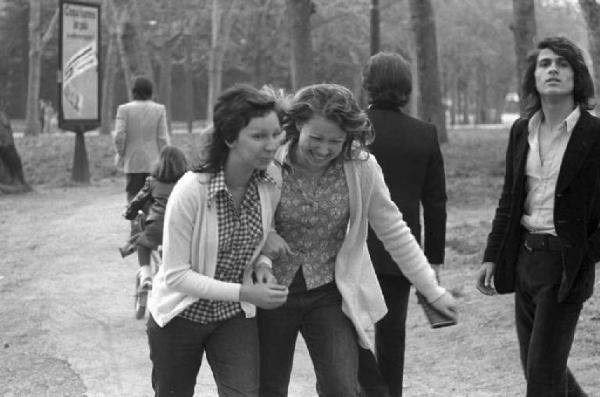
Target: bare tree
pixel 375 28
pixel 430 106
pixel 591 14
pixel 222 19
pixel 37 42
pixel 524 29
pixel 189 76
pixel 298 13
pixel 133 51
pixel 110 68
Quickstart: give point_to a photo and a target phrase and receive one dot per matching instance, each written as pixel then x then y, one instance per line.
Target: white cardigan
pixel 190 245
pixel 370 203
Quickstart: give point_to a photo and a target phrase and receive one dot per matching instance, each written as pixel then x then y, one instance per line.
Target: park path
pixel 66 299
pixel 68 329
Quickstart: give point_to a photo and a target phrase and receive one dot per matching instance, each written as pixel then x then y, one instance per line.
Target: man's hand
pixel 265 296
pixel 485 278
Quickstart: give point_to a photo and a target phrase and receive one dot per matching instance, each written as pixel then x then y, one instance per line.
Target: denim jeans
pixel 176 351
pixel 382 375
pixel 545 327
pixel 329 335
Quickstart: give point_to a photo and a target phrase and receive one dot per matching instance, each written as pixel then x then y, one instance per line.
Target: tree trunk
pixel 110 67
pixel 133 51
pixel 221 20
pixel 108 83
pixel 37 43
pixel 465 104
pixel 430 105
pixel 591 14
pixel 375 36
pixel 189 78
pixel 524 30
pixel 124 59
pixel 481 105
pixel 454 106
pixel 12 179
pixel 32 114
pixel 165 86
pixel 302 59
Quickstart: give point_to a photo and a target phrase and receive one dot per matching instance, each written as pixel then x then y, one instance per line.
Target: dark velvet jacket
pixel 408 152
pixel 576 210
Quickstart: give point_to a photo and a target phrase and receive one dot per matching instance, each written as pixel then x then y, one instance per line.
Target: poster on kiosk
pixel 79 69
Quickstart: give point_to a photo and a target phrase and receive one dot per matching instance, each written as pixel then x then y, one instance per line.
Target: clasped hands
pixel 265 292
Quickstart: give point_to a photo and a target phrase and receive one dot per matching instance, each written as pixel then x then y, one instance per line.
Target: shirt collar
pixel 573 118
pixel 536 120
pixel 217 182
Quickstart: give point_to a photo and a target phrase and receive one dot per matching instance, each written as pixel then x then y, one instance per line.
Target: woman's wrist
pixel 263 261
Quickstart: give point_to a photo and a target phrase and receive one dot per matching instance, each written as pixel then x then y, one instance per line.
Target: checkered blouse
pixel 239 232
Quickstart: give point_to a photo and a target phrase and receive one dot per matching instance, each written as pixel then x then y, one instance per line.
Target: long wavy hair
pixel 336 104
pixel 583 85
pixel 233 111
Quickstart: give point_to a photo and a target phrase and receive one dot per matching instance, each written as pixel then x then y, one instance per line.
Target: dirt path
pixel 68 329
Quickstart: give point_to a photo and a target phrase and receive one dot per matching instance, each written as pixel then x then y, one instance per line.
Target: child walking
pixel 152 199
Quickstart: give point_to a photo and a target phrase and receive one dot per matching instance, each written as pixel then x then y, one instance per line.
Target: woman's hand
pixel 447 305
pixel 265 296
pixel 485 279
pixel 276 247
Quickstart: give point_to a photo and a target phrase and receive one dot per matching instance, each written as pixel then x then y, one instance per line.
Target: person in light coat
pixel 139 136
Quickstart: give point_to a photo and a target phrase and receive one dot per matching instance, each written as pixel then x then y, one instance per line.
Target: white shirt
pixel 542 171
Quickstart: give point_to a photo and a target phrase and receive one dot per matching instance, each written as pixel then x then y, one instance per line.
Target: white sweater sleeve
pixel 180 217
pixel 386 220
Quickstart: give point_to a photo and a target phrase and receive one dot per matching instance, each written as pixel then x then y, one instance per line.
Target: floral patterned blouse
pixel 312 217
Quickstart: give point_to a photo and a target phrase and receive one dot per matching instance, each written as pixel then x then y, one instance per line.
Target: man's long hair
pixel 583 85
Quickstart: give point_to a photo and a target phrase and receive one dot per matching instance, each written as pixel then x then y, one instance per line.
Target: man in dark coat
pixel 408 152
pixel 545 238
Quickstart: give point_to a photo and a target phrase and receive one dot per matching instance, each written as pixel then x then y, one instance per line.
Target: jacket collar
pixel 576 152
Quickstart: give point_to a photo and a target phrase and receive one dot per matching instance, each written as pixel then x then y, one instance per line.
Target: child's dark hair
pixel 233 111
pixel 171 165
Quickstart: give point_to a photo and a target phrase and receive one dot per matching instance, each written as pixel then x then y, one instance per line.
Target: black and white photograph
pixel 299 198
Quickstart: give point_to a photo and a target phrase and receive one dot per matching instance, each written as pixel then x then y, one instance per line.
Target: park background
pixel 66 295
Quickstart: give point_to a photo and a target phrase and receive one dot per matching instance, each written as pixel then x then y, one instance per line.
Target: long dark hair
pixel 335 103
pixel 233 111
pixel 583 85
pixel 171 165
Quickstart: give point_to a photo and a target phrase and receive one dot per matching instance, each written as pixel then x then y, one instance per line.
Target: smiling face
pixel 554 75
pixel 320 142
pixel 256 143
